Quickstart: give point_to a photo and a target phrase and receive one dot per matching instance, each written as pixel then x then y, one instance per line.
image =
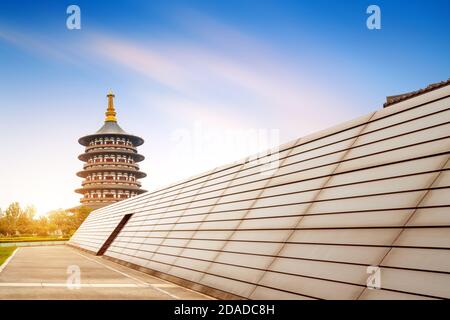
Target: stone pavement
pixel 51 272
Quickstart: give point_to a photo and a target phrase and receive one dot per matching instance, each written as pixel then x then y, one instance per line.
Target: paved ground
pixel 44 273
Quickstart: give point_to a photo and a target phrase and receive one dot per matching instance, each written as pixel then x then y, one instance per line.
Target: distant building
pixel 110 171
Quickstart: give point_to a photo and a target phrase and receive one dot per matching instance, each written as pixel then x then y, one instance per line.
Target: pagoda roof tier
pixel 108 146
pixel 110 186
pixel 111 128
pixel 84 141
pixel 86 172
pixel 86 183
pixel 136 156
pixel 99 202
pixel 115 164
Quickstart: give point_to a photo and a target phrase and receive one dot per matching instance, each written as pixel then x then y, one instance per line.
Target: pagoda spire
pixel 110 111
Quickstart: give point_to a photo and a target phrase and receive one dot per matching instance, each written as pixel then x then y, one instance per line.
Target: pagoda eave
pixel 86 172
pixel 136 156
pixel 98 203
pixel 88 188
pixel 84 141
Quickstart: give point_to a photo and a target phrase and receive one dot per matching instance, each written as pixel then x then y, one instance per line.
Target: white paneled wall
pixel 374 191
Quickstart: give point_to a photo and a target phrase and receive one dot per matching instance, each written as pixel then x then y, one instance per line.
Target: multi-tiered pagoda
pixel 110 171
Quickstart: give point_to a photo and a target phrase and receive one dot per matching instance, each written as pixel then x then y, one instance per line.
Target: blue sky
pixel 195 77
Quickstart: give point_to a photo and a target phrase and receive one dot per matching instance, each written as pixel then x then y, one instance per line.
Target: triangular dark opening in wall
pixel 114 234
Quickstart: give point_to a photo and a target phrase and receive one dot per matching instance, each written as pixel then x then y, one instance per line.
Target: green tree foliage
pixel 3 227
pixel 22 221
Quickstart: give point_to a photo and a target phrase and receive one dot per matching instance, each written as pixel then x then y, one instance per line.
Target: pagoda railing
pixel 113 163
pixel 110 181
pixel 110 145
pixel 105 199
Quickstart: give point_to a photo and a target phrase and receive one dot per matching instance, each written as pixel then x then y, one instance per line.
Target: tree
pixel 67 222
pixel 2 223
pixel 41 226
pixel 12 215
pixel 79 215
pixel 15 220
pixel 25 221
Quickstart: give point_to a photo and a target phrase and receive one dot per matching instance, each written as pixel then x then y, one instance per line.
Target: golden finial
pixel 110 112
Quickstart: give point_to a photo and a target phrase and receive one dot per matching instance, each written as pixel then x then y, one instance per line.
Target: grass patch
pixel 5 252
pixel 31 239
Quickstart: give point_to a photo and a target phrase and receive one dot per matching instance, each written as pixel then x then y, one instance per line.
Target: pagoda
pixel 111 169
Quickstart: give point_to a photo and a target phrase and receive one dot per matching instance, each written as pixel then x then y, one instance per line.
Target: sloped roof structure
pixel 369 194
pixel 404 96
